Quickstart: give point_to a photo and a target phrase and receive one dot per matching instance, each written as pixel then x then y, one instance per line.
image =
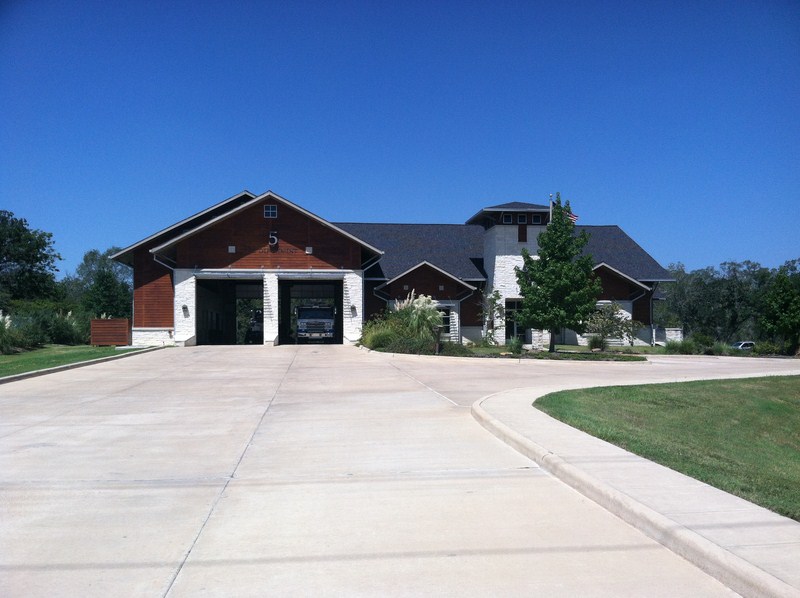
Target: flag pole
pixel 551 209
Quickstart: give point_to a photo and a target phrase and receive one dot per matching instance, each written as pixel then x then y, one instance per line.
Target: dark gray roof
pixel 455 248
pixel 458 249
pixel 610 244
pixel 517 206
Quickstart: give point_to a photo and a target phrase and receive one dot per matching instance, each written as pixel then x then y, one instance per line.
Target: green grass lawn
pixel 742 436
pixel 51 356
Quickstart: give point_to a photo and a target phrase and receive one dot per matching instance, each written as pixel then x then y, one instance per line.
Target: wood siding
pixel 248 232
pixel 617 288
pixel 153 293
pixel 641 309
pixel 425 280
pixel 472 310
pixel 110 332
pixel 372 305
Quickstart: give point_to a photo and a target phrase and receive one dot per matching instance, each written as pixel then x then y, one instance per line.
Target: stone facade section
pixel 353 306
pixel 271 314
pixel 152 337
pixel 185 308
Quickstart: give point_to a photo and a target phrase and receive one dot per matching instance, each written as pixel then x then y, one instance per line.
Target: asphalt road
pixel 312 470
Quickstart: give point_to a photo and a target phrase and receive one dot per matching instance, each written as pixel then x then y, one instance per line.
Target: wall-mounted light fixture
pixel 185 309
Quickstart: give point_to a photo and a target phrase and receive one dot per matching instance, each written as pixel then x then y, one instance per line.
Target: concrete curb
pixel 72 366
pixel 733 571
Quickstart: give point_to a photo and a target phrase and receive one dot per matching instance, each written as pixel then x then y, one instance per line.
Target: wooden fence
pixel 111 332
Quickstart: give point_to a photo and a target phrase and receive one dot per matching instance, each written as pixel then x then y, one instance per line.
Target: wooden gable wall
pixel 249 232
pixel 425 280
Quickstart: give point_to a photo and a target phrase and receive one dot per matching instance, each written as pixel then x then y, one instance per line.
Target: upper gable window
pixel 522 219
pixel 270 211
pixel 508 219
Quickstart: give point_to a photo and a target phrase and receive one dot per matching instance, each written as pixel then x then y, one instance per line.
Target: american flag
pixel 573 217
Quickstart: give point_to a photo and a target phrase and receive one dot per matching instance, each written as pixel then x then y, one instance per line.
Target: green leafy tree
pixel 781 315
pixel 722 304
pixel 76 285
pixel 494 315
pixel 107 295
pixel 27 261
pixel 558 287
pixel 610 322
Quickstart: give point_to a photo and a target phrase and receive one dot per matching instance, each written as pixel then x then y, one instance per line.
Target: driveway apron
pixel 312 470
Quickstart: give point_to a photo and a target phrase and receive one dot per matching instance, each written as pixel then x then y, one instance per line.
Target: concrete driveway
pixel 314 470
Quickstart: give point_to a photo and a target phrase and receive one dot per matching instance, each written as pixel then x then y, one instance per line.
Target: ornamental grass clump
pixel 410 327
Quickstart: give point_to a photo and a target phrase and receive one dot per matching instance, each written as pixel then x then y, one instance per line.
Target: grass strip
pixel 51 356
pixel 741 436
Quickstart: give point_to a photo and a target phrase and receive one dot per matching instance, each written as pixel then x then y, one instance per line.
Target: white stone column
pixel 185 308
pixel 353 306
pixel 271 311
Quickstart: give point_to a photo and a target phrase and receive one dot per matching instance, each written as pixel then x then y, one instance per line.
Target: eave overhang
pixel 125 256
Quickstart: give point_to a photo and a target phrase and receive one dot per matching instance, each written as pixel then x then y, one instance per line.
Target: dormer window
pixel 508 219
pixel 522 219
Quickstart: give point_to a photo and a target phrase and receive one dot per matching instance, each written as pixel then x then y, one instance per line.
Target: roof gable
pixel 268 196
pixel 434 267
pixel 125 256
pixel 610 245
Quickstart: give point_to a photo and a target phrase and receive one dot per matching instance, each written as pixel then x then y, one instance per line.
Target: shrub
pixel 685 347
pixel 703 343
pixel 34 324
pixel 515 345
pixel 719 349
pixel 598 342
pixel 9 341
pixel 767 348
pixel 455 350
pixel 409 328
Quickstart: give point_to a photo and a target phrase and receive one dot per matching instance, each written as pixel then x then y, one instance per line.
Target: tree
pixel 722 304
pixel 610 322
pixel 107 295
pixel 75 286
pixel 781 316
pixel 494 314
pixel 558 287
pixel 27 261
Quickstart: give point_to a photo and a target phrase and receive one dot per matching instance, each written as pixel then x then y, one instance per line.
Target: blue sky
pixel 678 121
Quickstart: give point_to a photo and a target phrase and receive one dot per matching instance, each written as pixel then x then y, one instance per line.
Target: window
pixel 270 211
pixel 522 219
pixel 536 219
pixel 445 320
pixel 508 219
pixel 513 329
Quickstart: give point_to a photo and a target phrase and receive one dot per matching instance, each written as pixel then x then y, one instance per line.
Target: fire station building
pixel 238 271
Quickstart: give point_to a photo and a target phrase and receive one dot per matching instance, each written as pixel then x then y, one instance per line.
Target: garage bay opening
pixel 310 311
pixel 230 312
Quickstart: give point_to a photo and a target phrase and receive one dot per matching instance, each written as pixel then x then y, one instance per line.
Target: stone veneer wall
pixel 271 312
pixel 152 337
pixel 185 319
pixel 353 306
